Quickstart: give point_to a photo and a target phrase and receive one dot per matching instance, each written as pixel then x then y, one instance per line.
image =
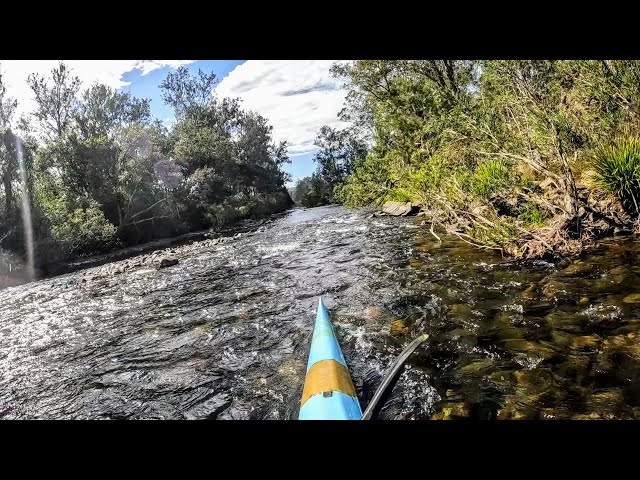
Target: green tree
pixel 186 93
pixel 103 173
pixel 56 101
pixel 103 111
pixel 231 165
pixel 475 141
pixel 312 191
pixel 337 157
pixel 8 157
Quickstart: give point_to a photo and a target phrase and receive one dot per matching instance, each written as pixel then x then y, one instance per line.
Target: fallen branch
pixel 9 232
pixel 431 229
pixel 147 209
pixel 145 220
pixel 532 163
pixel 528 232
pixel 484 219
pixel 468 239
pixel 541 201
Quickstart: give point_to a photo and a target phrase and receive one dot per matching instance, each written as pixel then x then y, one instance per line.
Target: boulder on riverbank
pixel 399 209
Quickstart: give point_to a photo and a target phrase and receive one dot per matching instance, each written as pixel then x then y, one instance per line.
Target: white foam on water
pixel 602 312
pixel 529 363
pixel 361 228
pixel 417 392
pixel 278 249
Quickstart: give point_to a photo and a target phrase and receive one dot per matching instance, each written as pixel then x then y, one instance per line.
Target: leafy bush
pixel 430 175
pixel 313 191
pixel 86 229
pixel 240 207
pixel 398 194
pixel 368 183
pixel 617 171
pixel 79 229
pixel 501 236
pixel 490 177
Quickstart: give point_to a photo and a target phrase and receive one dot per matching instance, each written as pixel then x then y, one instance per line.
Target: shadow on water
pixel 225 333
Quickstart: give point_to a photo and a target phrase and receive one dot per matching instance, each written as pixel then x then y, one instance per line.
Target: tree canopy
pixel 102 172
pixel 508 154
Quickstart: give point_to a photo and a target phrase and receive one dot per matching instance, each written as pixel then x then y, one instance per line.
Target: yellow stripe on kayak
pixel 327 376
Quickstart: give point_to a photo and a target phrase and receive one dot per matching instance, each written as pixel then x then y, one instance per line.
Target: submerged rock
pixel 528 347
pixel 371 312
pixel 502 377
pixel 476 368
pixel 559 413
pixel 566 321
pixel 167 262
pixel 619 272
pixel 415 263
pixel 587 416
pixel 585 341
pixel 555 289
pixel 626 344
pixel 615 281
pixel 512 410
pixel 632 298
pixel 530 292
pixel 460 310
pixel 451 411
pixel 399 327
pixel 574 342
pixel 606 402
pixel 579 269
pixel 576 367
pixel 562 339
pixel 561 289
pixel 292 370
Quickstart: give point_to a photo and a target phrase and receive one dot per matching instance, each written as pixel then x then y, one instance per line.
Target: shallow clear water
pixel 225 333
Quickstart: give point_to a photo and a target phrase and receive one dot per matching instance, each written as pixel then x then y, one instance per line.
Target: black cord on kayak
pixel 392 373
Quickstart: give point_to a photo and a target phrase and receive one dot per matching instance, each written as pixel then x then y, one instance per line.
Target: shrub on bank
pixel 617 171
pixel 84 229
pixel 240 207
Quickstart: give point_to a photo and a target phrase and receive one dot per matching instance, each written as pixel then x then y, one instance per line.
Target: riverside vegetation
pixel 530 158
pixel 101 173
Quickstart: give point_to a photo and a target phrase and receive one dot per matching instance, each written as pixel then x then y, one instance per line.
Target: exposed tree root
pixel 568 232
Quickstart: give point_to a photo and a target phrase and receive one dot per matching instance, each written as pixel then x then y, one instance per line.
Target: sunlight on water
pixel 225 333
pixel 26 212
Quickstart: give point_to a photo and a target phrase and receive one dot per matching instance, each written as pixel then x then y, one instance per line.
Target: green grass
pixel 617 171
pixel 531 215
pixel 490 177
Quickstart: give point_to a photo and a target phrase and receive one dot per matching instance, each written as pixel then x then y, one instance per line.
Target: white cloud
pixel 148 66
pixel 108 72
pixel 296 96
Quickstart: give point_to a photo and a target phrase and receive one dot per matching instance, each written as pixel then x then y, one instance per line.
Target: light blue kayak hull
pixel 328 390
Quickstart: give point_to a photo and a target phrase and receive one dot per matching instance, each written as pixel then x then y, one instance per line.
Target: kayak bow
pixel 328 392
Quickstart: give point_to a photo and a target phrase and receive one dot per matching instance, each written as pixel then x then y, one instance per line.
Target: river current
pixel 225 333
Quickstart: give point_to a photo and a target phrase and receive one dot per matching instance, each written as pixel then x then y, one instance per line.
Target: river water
pixel 225 333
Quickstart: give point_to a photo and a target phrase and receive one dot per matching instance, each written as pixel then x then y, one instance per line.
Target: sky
pixel 296 96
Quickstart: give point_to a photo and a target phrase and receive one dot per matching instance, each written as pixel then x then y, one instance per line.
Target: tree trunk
pixel 572 192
